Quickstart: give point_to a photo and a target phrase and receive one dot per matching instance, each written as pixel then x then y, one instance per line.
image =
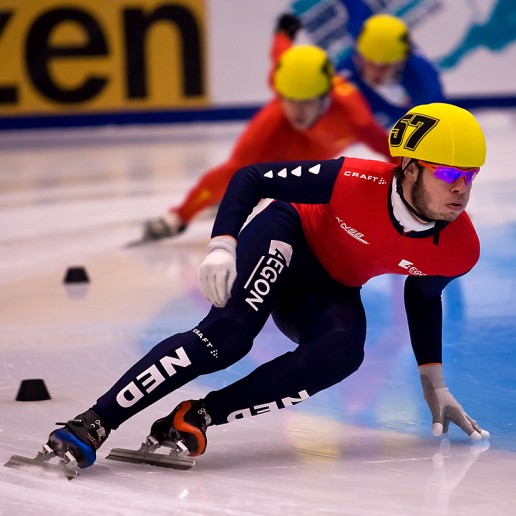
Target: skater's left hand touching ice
pixel 444 407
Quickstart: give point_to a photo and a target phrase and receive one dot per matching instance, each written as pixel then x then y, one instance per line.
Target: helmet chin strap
pixel 399 191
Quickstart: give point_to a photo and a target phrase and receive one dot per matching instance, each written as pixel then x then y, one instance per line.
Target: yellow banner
pixel 101 56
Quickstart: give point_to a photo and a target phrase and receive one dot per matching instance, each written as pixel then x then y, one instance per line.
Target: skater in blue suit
pixel 389 71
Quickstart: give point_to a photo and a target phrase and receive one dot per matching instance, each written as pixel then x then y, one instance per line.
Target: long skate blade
pixel 139 242
pixel 69 470
pixel 154 459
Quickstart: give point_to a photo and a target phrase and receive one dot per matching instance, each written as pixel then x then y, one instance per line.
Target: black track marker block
pixel 76 275
pixel 32 390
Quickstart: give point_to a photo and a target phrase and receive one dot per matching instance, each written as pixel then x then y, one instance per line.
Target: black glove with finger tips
pixel 289 24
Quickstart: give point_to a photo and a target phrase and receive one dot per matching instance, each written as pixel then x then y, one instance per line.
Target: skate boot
pixel 186 423
pixel 163 227
pixel 81 436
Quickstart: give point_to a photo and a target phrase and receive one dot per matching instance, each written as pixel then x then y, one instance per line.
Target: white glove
pixel 443 406
pixel 217 272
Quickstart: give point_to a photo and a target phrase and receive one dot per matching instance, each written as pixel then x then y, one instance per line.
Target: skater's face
pixel 302 114
pixel 436 198
pixel 377 74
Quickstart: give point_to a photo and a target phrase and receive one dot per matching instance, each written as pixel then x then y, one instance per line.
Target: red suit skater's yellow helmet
pixel 303 72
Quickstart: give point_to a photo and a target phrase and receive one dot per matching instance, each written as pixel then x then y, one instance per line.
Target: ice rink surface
pixel 364 447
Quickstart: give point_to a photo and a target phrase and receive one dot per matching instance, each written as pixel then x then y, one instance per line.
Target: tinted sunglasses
pixel 450 174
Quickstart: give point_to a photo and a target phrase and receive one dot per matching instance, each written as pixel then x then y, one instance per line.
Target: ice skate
pixel 80 438
pixel 183 431
pixel 163 227
pixel 186 425
pixel 74 446
pixel 66 466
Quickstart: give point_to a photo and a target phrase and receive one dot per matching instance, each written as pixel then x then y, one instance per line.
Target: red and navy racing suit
pixel 303 260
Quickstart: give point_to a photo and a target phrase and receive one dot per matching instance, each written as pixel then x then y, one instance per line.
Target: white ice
pixel 364 447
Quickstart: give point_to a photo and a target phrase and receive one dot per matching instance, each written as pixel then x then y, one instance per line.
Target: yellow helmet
pixel 384 39
pixel 439 133
pixel 303 72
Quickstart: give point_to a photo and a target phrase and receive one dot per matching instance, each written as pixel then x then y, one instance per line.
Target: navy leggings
pixel 278 275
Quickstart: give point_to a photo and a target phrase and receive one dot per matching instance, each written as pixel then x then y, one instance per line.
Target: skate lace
pixel 95 426
pixel 202 412
pixel 99 428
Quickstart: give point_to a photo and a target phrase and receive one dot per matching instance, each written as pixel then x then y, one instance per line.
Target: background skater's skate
pixel 157 229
